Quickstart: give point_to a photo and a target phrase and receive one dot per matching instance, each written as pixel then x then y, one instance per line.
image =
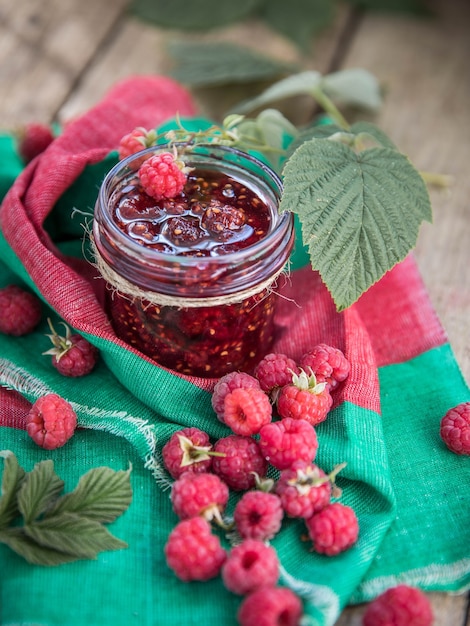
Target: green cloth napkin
pixel 408 490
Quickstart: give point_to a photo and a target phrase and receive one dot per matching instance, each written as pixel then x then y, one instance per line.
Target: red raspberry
pixel 275 371
pixel 240 457
pixel 327 363
pixel 246 411
pixel 51 421
pixel 162 176
pixel 305 398
pixel 72 355
pixel 455 428
pixel 199 494
pixel 303 489
pixel 270 606
pixel 222 219
pixel 250 566
pixel 193 552
pixel 399 606
pixel 33 139
pixel 287 441
pixel 258 515
pixel 226 384
pixel 20 311
pixel 334 529
pixel 135 141
pixel 187 450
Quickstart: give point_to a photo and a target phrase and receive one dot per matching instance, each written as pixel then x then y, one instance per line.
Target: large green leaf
pixel 360 212
pixel 355 87
pixel 298 20
pixel 194 15
pixel 38 490
pixel 13 475
pixel 218 63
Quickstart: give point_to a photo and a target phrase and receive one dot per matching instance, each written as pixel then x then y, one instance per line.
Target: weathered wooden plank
pixel 139 48
pixel 43 48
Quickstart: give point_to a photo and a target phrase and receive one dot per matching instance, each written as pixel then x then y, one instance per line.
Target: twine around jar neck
pixel 121 285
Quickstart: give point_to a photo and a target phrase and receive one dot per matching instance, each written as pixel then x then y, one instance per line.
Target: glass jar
pixel 198 307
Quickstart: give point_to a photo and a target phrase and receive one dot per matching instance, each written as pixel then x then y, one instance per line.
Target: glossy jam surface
pixel 215 215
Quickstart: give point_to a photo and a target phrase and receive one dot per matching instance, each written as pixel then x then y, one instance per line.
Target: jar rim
pixel 210 152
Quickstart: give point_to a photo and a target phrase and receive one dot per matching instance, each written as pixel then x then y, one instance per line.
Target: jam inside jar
pixel 192 279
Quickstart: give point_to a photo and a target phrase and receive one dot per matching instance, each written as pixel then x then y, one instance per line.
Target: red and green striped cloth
pixel 409 491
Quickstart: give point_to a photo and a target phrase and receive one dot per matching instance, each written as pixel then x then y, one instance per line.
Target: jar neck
pixel 193 277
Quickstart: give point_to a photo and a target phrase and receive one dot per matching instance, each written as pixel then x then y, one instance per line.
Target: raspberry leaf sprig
pixel 47 528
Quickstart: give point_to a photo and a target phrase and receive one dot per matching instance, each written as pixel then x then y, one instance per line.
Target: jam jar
pixel 192 279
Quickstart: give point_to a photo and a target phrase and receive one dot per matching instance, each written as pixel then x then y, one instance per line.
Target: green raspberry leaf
pixel 33 553
pixel 102 494
pixel 220 63
pixel 12 478
pixel 354 87
pixel 39 490
pixel 74 535
pixel 360 212
pixel 194 15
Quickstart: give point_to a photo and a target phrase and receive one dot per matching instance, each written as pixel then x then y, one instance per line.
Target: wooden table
pixel 58 57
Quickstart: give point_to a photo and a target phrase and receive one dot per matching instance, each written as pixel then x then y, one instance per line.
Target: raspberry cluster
pixel 272 415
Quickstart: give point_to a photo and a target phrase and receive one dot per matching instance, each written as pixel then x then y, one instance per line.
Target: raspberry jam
pixel 191 278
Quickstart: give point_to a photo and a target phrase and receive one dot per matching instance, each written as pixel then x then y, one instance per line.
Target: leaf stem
pixel 329 106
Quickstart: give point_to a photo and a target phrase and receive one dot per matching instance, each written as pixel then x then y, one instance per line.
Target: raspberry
pixel 258 515
pixel 270 606
pixel 199 494
pixel 275 371
pixel 305 398
pixel 72 355
pixel 455 428
pixel 399 606
pixel 246 411
pixel 183 230
pixel 187 450
pixel 239 458
pixel 51 421
pixel 287 441
pixel 226 384
pixel 250 566
pixel 303 489
pixel 222 219
pixel 334 529
pixel 327 363
pixel 193 552
pixel 20 311
pixel 162 176
pixel 135 141
pixel 33 139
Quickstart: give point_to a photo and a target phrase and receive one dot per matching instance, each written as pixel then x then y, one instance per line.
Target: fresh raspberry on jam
pixel 274 371
pixel 303 489
pixel 226 384
pixel 246 411
pixel 222 219
pixel 258 515
pixel 288 440
pixel 305 399
pixel 455 428
pixel 72 354
pixel 51 421
pixel 399 606
pixel 163 176
pixel 20 311
pixel 135 141
pixel 327 363
pixel 249 566
pixel 202 494
pixel 270 606
pixel 33 139
pixel 193 552
pixel 238 460
pixel 187 450
pixel 333 529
